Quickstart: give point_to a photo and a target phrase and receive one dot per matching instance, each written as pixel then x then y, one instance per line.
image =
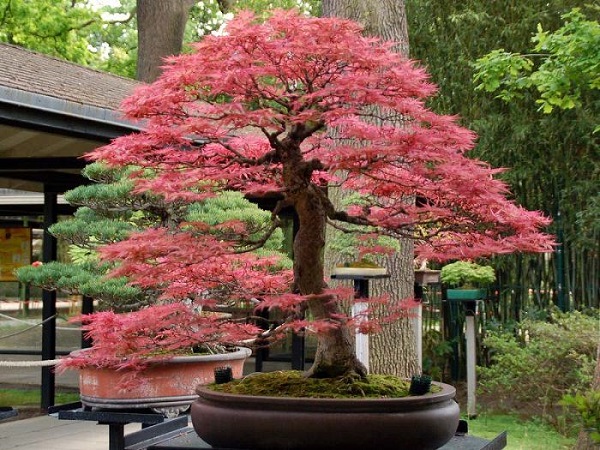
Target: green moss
pixel 363 264
pixel 294 384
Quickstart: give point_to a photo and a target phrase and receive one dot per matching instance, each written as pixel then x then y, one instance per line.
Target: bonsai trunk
pixel 335 355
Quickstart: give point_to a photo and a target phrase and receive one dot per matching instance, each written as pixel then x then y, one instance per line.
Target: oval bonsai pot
pixel 167 383
pixel 282 423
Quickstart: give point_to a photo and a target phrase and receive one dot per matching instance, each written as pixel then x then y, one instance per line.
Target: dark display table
pixel 160 433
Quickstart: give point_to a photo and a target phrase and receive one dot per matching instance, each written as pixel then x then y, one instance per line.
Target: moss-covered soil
pixel 294 384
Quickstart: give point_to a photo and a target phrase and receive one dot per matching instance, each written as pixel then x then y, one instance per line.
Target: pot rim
pixel 447 393
pixel 238 353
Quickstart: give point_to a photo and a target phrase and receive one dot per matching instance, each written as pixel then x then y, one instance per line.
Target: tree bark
pixel 392 351
pixel 335 352
pixel 161 25
pixel 226 5
pixel 383 18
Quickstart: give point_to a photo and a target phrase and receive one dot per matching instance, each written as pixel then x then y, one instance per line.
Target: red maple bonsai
pixel 284 109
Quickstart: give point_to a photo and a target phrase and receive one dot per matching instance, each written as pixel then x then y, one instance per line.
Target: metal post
pixel 418 325
pixel 48 304
pixel 116 436
pixel 454 327
pixel 87 307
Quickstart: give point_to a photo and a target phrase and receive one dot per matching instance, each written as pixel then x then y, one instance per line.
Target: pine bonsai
pixel 109 212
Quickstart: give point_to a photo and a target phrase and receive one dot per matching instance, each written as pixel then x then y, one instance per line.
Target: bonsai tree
pixel 467 275
pixel 281 110
pixel 109 211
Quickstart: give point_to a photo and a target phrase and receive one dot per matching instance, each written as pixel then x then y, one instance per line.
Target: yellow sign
pixel 15 251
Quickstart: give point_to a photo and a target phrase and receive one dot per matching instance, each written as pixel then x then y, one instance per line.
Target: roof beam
pixel 42 163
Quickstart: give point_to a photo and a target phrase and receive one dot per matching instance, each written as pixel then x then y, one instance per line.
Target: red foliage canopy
pixel 227 113
pixel 284 108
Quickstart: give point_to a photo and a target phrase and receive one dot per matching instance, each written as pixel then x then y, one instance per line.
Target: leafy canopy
pixel 251 93
pixel 62 28
pixel 282 109
pixel 567 70
pixel 468 274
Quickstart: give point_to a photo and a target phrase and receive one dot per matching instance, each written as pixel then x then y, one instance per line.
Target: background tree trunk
pixel 226 5
pixel 161 25
pixel 393 350
pixel 383 18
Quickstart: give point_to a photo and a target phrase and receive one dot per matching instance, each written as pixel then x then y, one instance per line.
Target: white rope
pixel 43 363
pixel 16 333
pixel 5 316
pixel 33 325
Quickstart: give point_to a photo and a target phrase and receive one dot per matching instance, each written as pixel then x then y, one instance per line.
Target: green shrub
pixel 437 353
pixel 466 274
pixel 587 406
pixel 539 362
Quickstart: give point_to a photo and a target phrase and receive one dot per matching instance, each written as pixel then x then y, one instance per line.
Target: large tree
pixel 105 35
pixel 161 26
pixel 60 28
pixel 251 111
pixel 386 20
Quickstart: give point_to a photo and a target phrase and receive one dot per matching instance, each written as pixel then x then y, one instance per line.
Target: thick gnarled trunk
pixel 335 355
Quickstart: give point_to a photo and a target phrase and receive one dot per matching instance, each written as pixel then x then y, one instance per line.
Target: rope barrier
pixel 43 363
pixel 5 316
pixel 16 333
pixel 33 325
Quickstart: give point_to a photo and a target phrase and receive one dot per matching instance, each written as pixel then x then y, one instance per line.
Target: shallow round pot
pixel 167 383
pixel 278 423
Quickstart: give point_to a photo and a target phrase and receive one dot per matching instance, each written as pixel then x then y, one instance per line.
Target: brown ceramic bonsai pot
pixel 278 423
pixel 168 385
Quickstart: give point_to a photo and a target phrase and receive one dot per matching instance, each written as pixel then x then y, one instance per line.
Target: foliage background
pixel 554 159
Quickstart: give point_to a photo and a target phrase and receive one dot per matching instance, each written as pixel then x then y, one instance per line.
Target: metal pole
pixel 87 307
pixel 48 304
pixel 418 326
